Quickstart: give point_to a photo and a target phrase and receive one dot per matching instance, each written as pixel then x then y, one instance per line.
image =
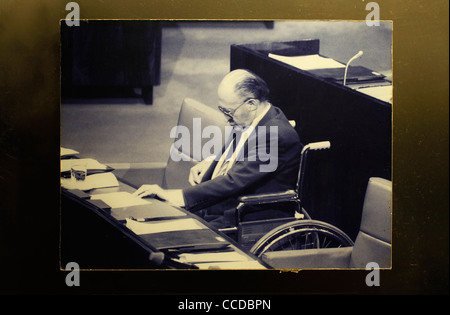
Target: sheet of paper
pixel 120 199
pixel 91 164
pixel 68 152
pixel 141 212
pixel 383 93
pixel 309 62
pixel 213 257
pixel 101 180
pixel 235 265
pixel 140 228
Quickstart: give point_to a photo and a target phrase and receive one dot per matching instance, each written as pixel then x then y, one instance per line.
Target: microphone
pixel 359 54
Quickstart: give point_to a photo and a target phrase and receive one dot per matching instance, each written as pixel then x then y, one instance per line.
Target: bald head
pixel 244 84
pixel 242 96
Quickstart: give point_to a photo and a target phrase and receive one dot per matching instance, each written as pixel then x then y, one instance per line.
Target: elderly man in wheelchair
pixel 247 192
pixel 244 166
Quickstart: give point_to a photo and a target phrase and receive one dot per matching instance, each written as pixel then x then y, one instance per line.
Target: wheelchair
pixel 259 237
pixel 293 233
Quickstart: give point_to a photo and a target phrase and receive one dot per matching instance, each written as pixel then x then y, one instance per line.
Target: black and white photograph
pixel 224 155
pixel 226 145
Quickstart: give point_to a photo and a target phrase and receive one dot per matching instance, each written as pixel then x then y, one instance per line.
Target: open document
pixel 120 199
pixel 140 228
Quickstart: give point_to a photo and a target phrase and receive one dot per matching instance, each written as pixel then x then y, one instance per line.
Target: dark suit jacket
pixel 245 176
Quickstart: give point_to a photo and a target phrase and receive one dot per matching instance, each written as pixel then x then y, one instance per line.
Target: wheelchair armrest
pixel 257 199
pixel 261 199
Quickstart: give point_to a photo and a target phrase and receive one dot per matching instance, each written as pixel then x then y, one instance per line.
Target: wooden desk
pixel 357 125
pixel 98 238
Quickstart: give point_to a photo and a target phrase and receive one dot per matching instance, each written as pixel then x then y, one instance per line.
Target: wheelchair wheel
pixel 301 234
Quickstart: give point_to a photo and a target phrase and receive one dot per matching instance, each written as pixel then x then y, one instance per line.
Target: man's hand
pixel 198 171
pixel 173 196
pixel 148 191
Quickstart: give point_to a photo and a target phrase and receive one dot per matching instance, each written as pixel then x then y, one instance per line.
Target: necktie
pixel 224 163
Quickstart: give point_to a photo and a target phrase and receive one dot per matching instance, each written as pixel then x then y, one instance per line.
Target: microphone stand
pixel 359 54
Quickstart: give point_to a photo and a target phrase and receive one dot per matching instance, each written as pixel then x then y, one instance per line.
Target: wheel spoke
pixel 324 243
pixel 305 234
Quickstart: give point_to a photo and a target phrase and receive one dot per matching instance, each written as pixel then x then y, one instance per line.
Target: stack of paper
pixel 101 180
pixel 65 152
pixel 120 199
pixel 221 260
pixel 213 257
pixel 141 228
pixel 234 265
pixel 97 173
pixel 308 62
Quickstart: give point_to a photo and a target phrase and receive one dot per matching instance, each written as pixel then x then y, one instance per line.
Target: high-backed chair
pixel 174 174
pixel 372 244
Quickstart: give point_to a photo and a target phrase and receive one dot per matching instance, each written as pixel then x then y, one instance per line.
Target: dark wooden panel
pixel 111 54
pixel 93 243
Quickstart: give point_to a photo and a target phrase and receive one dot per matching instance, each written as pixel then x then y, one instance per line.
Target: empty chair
pixel 372 244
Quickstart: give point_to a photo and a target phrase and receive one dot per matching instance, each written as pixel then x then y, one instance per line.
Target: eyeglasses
pixel 231 112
